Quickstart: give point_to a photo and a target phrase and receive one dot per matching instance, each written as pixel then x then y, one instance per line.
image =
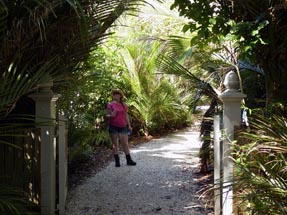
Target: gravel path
pixel 161 183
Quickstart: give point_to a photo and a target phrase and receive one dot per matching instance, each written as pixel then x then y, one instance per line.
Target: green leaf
pixel 186 28
pixel 212 21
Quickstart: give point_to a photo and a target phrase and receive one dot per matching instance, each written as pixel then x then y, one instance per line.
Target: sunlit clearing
pixel 181 151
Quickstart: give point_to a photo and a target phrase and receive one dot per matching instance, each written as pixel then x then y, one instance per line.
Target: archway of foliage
pixel 42 41
pixel 156 103
pixel 110 67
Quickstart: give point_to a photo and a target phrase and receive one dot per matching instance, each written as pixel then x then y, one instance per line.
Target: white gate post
pixel 231 99
pixel 45 101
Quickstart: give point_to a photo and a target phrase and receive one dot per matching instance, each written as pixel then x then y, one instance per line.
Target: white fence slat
pixel 217 166
pixel 63 163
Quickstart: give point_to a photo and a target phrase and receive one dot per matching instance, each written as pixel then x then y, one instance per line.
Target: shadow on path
pixel 161 183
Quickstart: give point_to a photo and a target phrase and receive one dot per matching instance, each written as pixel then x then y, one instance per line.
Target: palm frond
pixel 60 33
pixel 170 65
pixel 13 201
pixel 18 82
pixel 262 164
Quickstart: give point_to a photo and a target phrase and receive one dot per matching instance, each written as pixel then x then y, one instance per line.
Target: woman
pixel 119 126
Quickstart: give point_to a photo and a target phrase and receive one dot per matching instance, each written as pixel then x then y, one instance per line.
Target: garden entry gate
pixel 34 158
pixel 223 163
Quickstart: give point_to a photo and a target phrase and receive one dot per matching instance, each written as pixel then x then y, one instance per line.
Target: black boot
pixel 130 162
pixel 117 160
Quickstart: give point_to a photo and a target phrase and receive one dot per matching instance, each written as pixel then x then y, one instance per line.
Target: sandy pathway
pixel 161 183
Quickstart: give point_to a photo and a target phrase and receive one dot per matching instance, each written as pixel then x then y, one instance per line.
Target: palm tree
pixel 204 69
pixel 156 100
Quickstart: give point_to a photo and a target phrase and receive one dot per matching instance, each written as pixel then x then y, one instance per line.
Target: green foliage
pixel 14 202
pixel 79 152
pixel 261 165
pixel 197 67
pixel 47 42
pixel 213 20
pixel 253 85
pixel 84 100
pixel 156 100
pixel 255 26
pixel 207 18
pixel 101 138
pixel 153 96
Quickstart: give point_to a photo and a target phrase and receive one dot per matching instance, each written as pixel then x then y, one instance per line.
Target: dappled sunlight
pixel 178 147
pixel 171 151
pixel 172 155
pixel 175 183
pixel 162 182
pixel 165 183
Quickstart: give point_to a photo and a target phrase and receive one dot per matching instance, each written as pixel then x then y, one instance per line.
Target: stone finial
pixel 231 81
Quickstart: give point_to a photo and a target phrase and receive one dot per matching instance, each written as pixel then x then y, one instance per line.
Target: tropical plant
pixel 14 201
pixel 256 26
pixel 136 41
pixel 202 71
pixel 52 37
pixel 155 98
pixel 260 157
pixel 84 100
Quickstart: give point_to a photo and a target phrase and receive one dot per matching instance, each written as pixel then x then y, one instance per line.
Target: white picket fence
pixel 62 164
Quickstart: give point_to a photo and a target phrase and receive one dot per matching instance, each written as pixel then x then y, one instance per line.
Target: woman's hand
pixel 111 113
pixel 130 128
